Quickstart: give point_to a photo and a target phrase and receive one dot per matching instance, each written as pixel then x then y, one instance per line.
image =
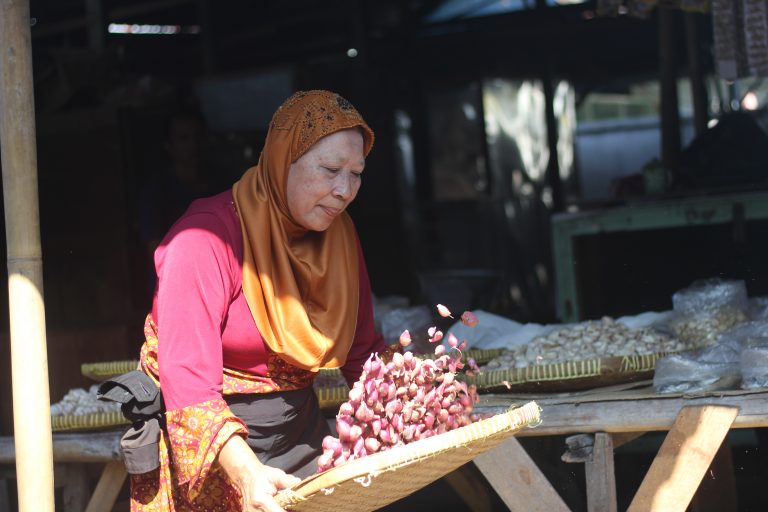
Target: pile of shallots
pixel 403 400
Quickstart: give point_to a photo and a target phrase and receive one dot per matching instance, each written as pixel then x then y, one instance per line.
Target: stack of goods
pixel 588 340
pixel 79 402
pixel 79 409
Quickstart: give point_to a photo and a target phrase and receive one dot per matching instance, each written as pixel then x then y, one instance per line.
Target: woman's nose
pixel 342 187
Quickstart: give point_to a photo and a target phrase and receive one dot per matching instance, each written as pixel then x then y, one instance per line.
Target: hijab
pixel 301 286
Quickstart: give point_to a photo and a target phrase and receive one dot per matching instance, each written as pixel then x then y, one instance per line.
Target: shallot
pixel 403 400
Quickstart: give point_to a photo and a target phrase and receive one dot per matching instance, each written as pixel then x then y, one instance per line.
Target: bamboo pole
pixel 29 360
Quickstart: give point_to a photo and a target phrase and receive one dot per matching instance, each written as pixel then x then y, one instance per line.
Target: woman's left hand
pixel 258 483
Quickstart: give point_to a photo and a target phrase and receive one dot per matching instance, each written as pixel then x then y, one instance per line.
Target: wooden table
pixel 697 424
pixel 71 452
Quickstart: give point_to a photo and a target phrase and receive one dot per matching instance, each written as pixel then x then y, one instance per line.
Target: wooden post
pixel 553 164
pixel 670 117
pixel 96 23
pixel 695 74
pixel 601 479
pixel 29 359
pixel 74 479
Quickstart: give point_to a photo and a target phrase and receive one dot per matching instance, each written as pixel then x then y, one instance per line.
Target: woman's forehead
pixel 341 145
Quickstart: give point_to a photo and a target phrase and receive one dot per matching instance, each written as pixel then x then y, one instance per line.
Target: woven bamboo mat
pixel 105 370
pixel 569 376
pixel 377 480
pixel 95 421
pixel 108 369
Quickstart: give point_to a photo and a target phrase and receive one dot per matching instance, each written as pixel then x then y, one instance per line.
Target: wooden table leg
pixel 517 480
pixel 471 488
pixel 600 476
pixel 108 487
pixel 5 501
pixel 75 486
pixel 683 458
pixel 717 492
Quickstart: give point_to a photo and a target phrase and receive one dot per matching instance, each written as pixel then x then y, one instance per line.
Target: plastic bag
pixel 707 308
pixel 758 308
pixel 493 331
pixel 711 369
pixel 746 335
pixel 754 367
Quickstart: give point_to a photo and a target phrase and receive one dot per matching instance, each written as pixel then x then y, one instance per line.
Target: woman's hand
pixel 256 482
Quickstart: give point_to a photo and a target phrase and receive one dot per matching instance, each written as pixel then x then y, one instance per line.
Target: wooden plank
pixel 471 488
pixel 74 447
pixel 601 479
pixel 652 413
pixel 517 480
pixel 108 487
pixel 683 458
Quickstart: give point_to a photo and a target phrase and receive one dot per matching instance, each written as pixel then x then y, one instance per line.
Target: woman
pixel 258 288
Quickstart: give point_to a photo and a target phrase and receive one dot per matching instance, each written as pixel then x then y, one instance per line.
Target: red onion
pixel 401 401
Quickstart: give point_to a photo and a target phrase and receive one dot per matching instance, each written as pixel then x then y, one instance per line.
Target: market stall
pixel 605 381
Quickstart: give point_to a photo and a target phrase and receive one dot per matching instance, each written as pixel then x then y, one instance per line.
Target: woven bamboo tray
pixel 95 421
pixel 570 376
pixel 377 480
pixel 108 369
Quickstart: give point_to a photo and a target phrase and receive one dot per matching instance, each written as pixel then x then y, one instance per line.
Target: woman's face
pixel 325 179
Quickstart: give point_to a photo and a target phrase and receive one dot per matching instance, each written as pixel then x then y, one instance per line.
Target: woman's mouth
pixel 331 212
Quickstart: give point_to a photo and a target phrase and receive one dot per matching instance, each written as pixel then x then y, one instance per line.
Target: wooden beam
pixel 471 488
pixel 600 475
pixel 72 447
pixel 119 14
pixel 29 357
pixel 517 480
pixel 683 458
pixel 108 487
pixel 564 416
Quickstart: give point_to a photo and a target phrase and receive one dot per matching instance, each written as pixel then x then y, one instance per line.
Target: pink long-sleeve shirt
pixel 203 320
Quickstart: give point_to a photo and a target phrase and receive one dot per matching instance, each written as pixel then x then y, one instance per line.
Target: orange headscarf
pixel 301 286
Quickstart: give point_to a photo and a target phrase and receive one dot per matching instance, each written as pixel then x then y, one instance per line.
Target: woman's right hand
pixel 257 482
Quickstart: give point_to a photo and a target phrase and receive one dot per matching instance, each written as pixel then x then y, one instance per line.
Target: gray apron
pixel 285 428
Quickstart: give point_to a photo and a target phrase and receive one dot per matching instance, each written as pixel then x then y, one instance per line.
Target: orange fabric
pixel 301 286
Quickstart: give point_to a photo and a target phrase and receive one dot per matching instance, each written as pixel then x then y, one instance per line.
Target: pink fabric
pixel 203 320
